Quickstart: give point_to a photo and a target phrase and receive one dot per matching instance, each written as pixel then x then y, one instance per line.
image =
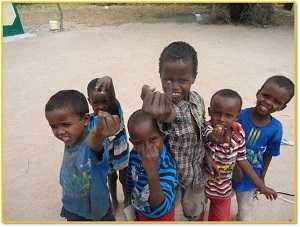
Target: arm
pixel 267 161
pixel 107 125
pixel 247 168
pixel 156 193
pixel 150 157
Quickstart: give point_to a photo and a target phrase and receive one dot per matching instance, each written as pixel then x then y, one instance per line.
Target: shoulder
pixel 276 123
pixel 238 133
pixel 195 97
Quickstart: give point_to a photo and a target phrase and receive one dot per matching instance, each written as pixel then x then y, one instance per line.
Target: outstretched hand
pixel 104 85
pixel 107 124
pixel 220 135
pixel 150 158
pixel 268 192
pixel 158 104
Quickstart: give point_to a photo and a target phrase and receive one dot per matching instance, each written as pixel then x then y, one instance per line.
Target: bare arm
pixel 247 168
pixel 150 157
pixel 267 161
pixel 107 125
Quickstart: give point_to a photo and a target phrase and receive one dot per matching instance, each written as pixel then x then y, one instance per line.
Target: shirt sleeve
pixel 168 183
pixel 129 181
pixel 241 146
pixel 273 147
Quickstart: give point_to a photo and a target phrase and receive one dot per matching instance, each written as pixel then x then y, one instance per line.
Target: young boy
pixel 263 137
pixel 151 180
pixel 180 113
pixel 85 163
pixel 101 96
pixel 225 143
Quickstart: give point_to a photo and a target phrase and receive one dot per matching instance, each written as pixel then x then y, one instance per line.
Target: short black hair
pixel 91 86
pixel 179 50
pixel 282 81
pixel 140 116
pixel 228 93
pixel 72 100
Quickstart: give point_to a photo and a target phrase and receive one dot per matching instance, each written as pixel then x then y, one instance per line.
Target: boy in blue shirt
pixel 263 137
pixel 85 163
pixel 151 180
pixel 101 96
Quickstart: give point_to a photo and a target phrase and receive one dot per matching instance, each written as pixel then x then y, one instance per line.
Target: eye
pixel 53 126
pixel 66 125
pixel 153 139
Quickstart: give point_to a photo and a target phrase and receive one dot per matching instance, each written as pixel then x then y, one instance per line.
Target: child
pixel 85 163
pixel 180 113
pixel 152 180
pixel 263 137
pixel 101 96
pixel 225 143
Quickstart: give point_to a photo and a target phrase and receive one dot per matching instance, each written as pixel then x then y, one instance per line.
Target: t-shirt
pixel 137 187
pixel 225 156
pixel 259 140
pixel 83 180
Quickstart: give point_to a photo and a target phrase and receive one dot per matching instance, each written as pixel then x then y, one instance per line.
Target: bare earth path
pixel 236 57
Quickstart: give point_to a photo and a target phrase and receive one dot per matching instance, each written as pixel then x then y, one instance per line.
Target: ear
pixel 257 92
pixel 86 119
pixel 195 76
pixel 282 107
pixel 209 111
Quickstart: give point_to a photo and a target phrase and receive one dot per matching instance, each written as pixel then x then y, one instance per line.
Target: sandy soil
pixel 236 57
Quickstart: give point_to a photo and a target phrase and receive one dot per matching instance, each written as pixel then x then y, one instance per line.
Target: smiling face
pixel 66 125
pixel 144 134
pixel 271 98
pixel 181 77
pixel 224 110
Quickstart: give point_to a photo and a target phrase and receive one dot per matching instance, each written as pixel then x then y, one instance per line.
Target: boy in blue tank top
pixel 263 137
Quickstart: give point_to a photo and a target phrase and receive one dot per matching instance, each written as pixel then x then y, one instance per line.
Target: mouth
pixel 263 108
pixel 66 139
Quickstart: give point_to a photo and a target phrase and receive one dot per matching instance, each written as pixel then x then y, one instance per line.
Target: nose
pixel 222 119
pixel 59 131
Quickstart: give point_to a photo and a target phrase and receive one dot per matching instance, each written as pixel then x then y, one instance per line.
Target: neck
pixel 258 119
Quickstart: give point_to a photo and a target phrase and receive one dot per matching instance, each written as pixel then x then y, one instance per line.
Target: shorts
pixel 193 203
pixel 167 217
pixel 219 209
pixel 246 205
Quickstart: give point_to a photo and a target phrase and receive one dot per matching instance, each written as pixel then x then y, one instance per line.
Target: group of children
pixel 177 155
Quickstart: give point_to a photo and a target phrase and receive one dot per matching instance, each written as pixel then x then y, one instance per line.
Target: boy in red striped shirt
pixel 225 143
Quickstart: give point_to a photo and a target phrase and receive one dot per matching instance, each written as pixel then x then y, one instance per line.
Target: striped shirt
pixel 137 187
pixel 185 142
pixel 117 144
pixel 225 156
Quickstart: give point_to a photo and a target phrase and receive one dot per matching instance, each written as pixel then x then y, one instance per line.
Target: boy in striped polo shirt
pixel 225 143
pixel 151 177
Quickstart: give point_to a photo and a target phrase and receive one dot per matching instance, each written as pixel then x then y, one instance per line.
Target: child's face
pixel 66 125
pixel 144 135
pixel 181 76
pixel 99 101
pixel 271 98
pixel 224 111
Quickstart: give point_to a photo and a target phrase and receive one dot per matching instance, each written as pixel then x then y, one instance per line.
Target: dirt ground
pixel 230 56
